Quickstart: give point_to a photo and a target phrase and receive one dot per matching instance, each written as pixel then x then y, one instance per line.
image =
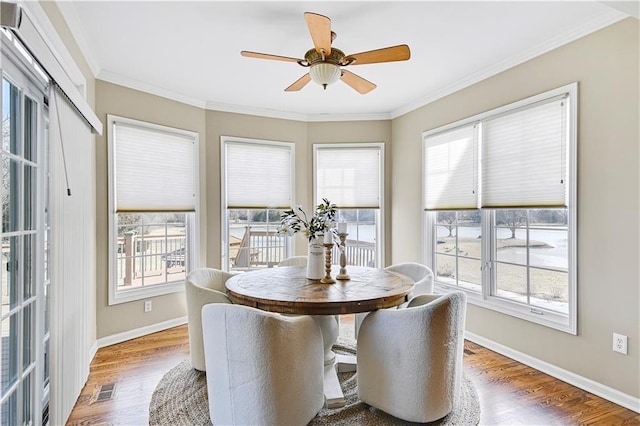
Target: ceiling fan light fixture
pixel 325 73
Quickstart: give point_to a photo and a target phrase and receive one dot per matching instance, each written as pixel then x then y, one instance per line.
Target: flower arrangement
pixel 292 221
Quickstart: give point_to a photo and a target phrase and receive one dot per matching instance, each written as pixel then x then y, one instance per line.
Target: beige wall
pixel 605 65
pixel 121 101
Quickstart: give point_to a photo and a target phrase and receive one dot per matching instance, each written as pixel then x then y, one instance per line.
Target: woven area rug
pixel 181 399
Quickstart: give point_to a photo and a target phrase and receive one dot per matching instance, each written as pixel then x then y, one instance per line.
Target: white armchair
pixel 410 360
pixel 294 261
pixel 422 276
pixel 202 286
pixel 262 368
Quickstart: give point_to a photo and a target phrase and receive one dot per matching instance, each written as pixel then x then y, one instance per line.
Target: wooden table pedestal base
pixel 333 363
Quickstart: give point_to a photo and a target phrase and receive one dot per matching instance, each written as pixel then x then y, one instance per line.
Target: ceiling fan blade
pixel 358 83
pixel 320 29
pixel 268 56
pixel 386 54
pixel 299 83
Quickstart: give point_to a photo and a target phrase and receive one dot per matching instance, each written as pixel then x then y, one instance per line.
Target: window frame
pixel 380 217
pixel 224 217
pixel 192 218
pixel 486 298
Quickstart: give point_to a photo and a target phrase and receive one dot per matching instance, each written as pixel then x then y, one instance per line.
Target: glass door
pixel 22 310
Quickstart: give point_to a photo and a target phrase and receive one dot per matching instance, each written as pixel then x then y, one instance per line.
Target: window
pixel 500 210
pixel 350 176
pixel 153 175
pixel 257 186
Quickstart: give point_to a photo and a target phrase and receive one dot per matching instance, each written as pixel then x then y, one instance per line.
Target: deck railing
pixel 260 248
pixel 149 256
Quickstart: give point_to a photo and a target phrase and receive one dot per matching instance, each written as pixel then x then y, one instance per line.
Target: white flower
pixel 285 230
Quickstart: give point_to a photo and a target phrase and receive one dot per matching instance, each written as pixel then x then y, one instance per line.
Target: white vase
pixel 315 260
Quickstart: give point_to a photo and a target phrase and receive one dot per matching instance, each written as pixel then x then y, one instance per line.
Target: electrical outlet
pixel 147 306
pixel 620 343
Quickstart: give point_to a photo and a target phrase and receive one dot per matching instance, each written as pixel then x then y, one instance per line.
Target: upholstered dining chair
pixel 202 286
pixel 254 377
pixel 410 360
pixel 422 276
pixel 294 261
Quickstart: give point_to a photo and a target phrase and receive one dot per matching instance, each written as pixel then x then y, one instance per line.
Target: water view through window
pixel 529 252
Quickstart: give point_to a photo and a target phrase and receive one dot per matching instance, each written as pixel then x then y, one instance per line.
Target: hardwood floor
pixel 510 393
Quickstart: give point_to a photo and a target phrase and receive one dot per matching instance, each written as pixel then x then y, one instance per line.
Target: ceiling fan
pixel 325 62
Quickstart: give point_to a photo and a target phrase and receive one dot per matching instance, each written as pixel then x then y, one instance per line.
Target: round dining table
pixel 287 290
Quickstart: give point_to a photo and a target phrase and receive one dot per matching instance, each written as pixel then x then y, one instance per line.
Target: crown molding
pixel 286 115
pixel 68 12
pixel 593 25
pixel 151 89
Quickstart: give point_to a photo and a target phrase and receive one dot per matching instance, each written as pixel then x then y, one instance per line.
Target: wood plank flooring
pixel 510 393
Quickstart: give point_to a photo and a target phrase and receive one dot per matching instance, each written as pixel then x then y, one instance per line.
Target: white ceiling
pixel 190 51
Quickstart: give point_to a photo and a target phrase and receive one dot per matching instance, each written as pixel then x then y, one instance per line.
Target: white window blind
pixel 524 156
pixel 258 175
pixel 155 168
pixel 450 174
pixel 349 177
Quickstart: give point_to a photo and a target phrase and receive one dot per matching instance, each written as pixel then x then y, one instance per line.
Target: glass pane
pixel 9 352
pixel 469 218
pixel 150 245
pixel 10 118
pixel 47 307
pixel 129 270
pixel 512 250
pixel 10 410
pixel 10 192
pixel 445 242
pixel 30 129
pixel 155 238
pixel 28 335
pixel 45 259
pixel 550 289
pixel 175 274
pixel 470 241
pixel 549 248
pixel 27 400
pixel 29 197
pixel 6 115
pixel 446 269
pixel 152 269
pixel 511 282
pixel 28 266
pixel 10 276
pixel 469 273
pixel 366 225
pixel 46 363
pixel 548 217
pixel 447 222
pixel 511 220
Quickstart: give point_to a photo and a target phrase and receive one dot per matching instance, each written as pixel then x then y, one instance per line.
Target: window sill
pixel 130 295
pixel 536 315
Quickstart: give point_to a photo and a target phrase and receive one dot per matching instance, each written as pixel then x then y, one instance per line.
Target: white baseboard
pixel 139 332
pixel 588 385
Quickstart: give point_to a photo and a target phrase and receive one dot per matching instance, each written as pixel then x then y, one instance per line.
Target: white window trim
pixel 540 316
pixel 380 249
pixel 122 296
pixel 224 231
